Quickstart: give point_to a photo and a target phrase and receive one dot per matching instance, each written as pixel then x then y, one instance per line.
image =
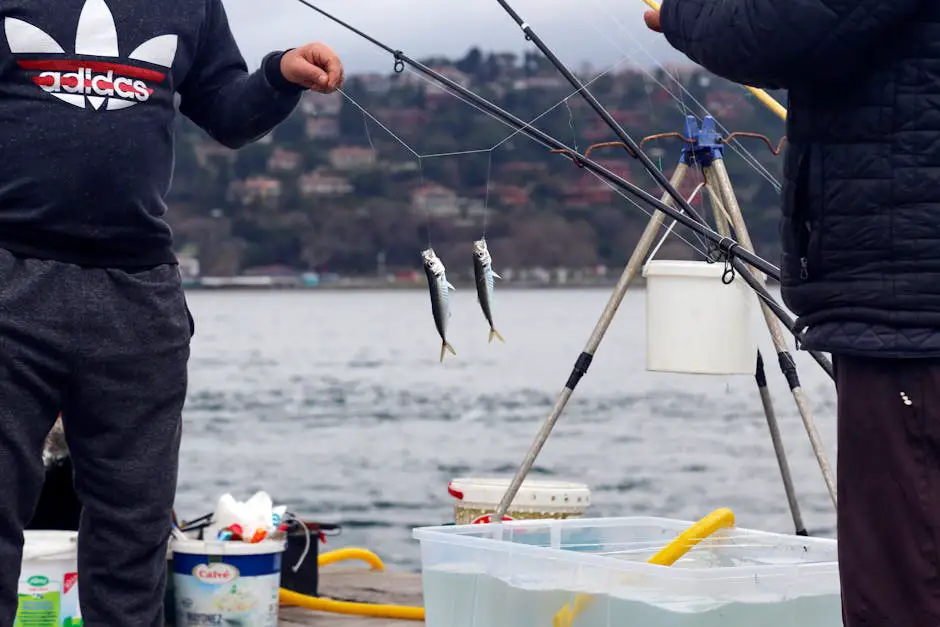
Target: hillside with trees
pixel 331 190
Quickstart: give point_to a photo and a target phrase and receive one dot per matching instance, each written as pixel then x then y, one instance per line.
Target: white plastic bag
pixel 257 513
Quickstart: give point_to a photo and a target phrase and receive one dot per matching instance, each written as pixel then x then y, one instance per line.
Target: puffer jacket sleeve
pixel 782 43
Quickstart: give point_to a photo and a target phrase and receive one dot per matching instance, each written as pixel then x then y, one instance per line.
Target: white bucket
pixel 226 583
pixel 478 498
pixel 48 585
pixel 695 324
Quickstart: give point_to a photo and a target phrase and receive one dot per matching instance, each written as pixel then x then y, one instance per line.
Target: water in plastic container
pixel 466 599
pixel 736 579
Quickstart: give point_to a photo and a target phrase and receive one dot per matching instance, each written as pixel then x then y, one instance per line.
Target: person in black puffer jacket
pixel 861 256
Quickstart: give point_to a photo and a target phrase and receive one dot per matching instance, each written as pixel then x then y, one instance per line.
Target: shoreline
pixel 215 284
pixel 378 285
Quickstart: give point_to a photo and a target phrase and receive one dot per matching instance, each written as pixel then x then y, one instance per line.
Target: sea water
pixel 461 596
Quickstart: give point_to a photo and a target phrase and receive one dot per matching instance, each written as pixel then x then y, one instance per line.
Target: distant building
pixel 587 191
pixel 322 128
pixel 208 151
pixel 510 195
pixel 256 188
pixel 284 160
pixel 541 82
pixel 321 184
pixel 327 105
pixel 189 268
pixel 375 83
pixel 435 200
pixel 352 158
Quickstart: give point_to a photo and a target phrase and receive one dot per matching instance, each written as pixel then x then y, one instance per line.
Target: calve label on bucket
pixel 241 591
pixel 215 573
pixel 48 600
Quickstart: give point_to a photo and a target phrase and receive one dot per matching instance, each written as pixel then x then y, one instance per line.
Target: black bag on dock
pixel 305 580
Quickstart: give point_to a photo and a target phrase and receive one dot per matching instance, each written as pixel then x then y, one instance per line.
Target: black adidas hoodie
pixel 86 119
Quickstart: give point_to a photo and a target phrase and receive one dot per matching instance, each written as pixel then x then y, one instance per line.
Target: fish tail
pixel 495 333
pixel 445 346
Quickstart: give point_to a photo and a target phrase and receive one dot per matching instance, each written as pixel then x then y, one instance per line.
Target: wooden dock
pixel 364 586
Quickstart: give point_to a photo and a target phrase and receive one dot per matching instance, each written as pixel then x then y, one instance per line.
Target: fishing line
pixel 379 122
pixel 632 148
pixel 701 247
pixel 726 192
pixel 733 253
pixel 486 197
pixel 726 245
pixel 422 185
pixel 420 157
pixel 516 130
pixel 574 133
pixel 736 146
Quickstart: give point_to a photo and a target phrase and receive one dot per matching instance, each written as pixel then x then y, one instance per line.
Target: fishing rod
pixel 631 146
pixel 725 245
pixel 732 251
pixel 713 159
pixel 635 151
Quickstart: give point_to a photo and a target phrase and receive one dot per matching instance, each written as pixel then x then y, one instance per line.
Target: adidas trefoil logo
pixel 99 83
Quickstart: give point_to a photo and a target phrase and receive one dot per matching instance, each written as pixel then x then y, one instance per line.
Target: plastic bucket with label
pixel 48 584
pixel 226 583
pixel 478 498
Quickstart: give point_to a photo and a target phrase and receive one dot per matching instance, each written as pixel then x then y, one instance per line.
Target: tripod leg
pixel 584 359
pixel 722 218
pixel 717 176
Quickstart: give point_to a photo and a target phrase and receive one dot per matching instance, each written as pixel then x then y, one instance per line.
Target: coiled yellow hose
pixel 667 556
pixel 320 604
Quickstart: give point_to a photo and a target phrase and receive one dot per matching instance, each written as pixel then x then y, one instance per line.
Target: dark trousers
pixel 889 491
pixel 109 349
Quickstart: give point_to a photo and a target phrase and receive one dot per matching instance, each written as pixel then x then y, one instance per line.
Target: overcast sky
pixel 601 32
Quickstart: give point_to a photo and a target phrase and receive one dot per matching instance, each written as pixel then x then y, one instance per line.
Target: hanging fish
pixel 440 296
pixel 483 271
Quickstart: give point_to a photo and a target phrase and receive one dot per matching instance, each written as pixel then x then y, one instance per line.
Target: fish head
pixel 432 262
pixel 480 251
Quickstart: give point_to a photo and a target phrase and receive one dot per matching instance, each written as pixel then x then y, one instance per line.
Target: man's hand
pixel 314 66
pixel 652 21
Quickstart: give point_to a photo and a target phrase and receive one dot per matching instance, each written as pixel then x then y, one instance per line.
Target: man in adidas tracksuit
pixel 93 319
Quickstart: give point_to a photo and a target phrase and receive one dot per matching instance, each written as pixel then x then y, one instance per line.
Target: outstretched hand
pixel 314 66
pixel 652 21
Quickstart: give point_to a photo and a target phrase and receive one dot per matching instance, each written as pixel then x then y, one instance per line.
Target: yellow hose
pixel 667 556
pixel 759 93
pixel 341 555
pixel 320 604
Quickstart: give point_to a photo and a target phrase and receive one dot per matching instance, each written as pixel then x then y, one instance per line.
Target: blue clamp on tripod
pixel 701 145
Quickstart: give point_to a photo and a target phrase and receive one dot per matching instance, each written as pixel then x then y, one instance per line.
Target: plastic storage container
pixel 695 324
pixel 522 573
pixel 478 498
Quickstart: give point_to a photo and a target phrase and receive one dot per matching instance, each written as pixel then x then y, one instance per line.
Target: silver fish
pixel 483 271
pixel 440 296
